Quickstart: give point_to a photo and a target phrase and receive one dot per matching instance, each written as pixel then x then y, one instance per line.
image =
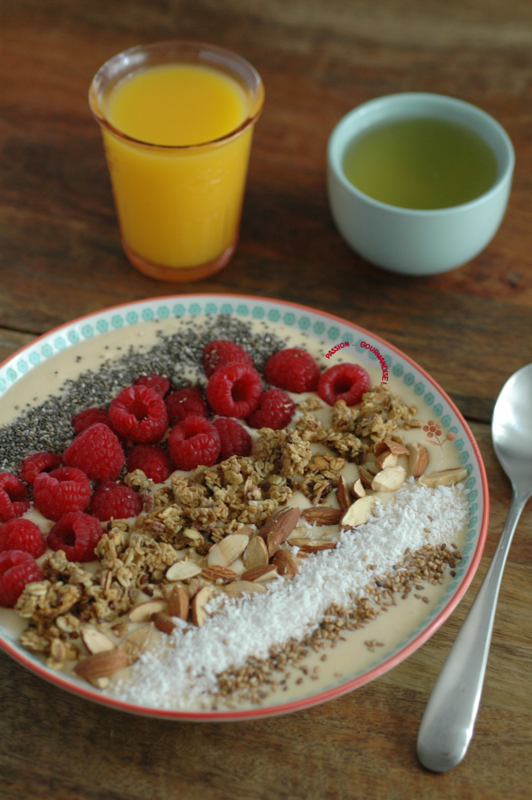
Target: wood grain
pixel 61 257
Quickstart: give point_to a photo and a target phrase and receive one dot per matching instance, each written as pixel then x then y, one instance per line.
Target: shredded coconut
pixel 184 670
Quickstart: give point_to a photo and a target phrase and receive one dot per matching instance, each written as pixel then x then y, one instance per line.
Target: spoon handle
pixel 447 724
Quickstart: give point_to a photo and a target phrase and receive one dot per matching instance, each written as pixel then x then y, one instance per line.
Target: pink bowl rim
pixel 341 688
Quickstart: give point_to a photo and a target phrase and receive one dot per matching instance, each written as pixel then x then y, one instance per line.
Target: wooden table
pixel 61 257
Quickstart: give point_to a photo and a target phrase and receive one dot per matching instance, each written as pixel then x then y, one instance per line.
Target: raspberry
pixel 14 499
pixel 275 410
pixel 153 461
pixel 344 382
pixel 63 490
pixel 193 442
pixel 97 452
pixel 234 390
pixel 293 369
pixel 115 501
pixel 221 352
pixel 140 414
pixel 77 534
pixel 22 534
pixel 156 382
pixel 36 463
pixel 90 416
pixel 16 570
pixel 185 402
pixel 234 438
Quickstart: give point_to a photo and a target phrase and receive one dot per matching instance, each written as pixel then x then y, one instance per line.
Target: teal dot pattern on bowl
pixel 313 325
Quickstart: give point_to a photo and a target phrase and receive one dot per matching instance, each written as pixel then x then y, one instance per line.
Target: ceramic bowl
pixel 105 330
pixel 412 241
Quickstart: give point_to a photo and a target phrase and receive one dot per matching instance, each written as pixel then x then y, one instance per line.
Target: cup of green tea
pixel 419 183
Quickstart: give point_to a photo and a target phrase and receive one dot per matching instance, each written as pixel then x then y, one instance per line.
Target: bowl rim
pixel 338 139
pixel 40 669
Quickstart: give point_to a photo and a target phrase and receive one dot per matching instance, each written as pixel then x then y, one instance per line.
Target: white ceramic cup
pixel 412 241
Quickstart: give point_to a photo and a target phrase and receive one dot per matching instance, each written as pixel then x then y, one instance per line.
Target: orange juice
pixel 177 139
pixel 177 104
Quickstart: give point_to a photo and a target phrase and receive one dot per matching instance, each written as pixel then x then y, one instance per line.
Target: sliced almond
pixel 359 512
pixel 256 553
pixel 246 530
pixel 94 640
pixel 387 459
pixel 273 521
pixel 101 683
pixel 394 447
pixel 199 615
pixel 101 665
pixel 285 564
pixel 418 459
pixel 322 515
pixel 379 448
pixel 196 538
pixel 389 480
pixel 193 587
pixel 143 611
pixel 313 545
pixel 365 476
pixel 178 603
pixel 372 467
pixel 163 622
pixel 227 550
pixel 136 642
pixel 445 477
pixel 358 489
pixel 183 571
pixel 217 573
pixel 240 588
pixel 261 574
pixel 343 495
pixel 279 527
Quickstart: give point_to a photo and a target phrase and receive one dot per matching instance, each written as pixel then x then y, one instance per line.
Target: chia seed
pixel 48 425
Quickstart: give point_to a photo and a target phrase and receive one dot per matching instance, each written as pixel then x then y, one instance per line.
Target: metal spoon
pixel 447 724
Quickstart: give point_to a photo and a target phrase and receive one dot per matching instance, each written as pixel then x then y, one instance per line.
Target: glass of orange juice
pixel 177 120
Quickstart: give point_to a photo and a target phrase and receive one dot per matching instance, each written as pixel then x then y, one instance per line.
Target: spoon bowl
pixel 448 722
pixel 512 428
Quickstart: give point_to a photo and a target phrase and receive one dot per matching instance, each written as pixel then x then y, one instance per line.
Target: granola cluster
pixel 185 520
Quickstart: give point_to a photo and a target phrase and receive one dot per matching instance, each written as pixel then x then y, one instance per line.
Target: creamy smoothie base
pixel 284 644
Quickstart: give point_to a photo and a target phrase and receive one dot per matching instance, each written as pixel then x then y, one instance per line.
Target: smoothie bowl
pixel 321 533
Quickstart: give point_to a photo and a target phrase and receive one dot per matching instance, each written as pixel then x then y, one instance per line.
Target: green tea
pixel 422 162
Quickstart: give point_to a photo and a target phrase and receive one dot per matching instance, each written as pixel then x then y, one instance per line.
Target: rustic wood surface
pixel 60 257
